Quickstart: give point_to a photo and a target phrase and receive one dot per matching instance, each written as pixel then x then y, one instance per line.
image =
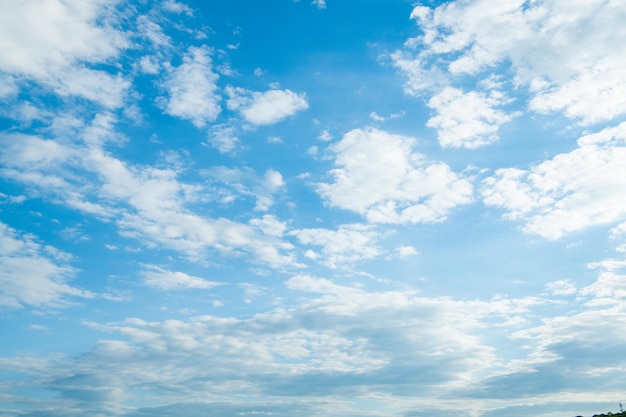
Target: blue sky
pixel 346 208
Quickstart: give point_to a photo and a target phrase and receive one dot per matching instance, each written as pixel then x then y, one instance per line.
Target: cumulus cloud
pixel 32 274
pixel 348 244
pixel 467 120
pixel 56 42
pixel 192 89
pixel 378 175
pixel 570 192
pixel 569 62
pixel 265 108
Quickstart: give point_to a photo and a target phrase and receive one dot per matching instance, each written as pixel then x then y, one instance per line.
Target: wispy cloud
pixel 34 274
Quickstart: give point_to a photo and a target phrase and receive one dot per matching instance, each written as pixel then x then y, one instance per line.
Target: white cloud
pixel 379 176
pixel 570 62
pixel 8 86
pixel 192 89
pixel 378 118
pixel 274 139
pixel 270 225
pixel 53 42
pixel 175 7
pixel 321 4
pixel 162 279
pixel 467 120
pixel 224 139
pixel 149 65
pixel 339 341
pixel 244 182
pixel 348 244
pixel 93 85
pixel 32 274
pixel 406 251
pixel 608 289
pixel 570 192
pixel 273 180
pixel 272 183
pixel 325 136
pixel 561 287
pixel 152 31
pixel 342 340
pixel 265 108
pixel 158 213
pixel 146 203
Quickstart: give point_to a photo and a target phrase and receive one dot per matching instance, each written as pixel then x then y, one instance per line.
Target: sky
pixel 331 208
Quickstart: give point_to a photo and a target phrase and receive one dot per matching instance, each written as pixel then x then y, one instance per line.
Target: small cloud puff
pixel 162 279
pixel 406 251
pixel 192 89
pixel 265 108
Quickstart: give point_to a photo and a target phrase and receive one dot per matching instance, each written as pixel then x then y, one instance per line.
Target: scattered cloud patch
pixel 569 62
pixel 173 6
pixel 56 44
pixel 378 118
pixel 347 245
pixel 192 89
pixel 325 136
pixel 406 251
pixel 161 279
pixel 147 203
pixel 321 4
pixel 467 120
pixel 265 108
pixel 570 192
pixel 224 139
pixel 378 175
pixel 34 275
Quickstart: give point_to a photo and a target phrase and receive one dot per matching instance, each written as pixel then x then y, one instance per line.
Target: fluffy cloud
pixel 192 89
pixel 32 274
pixel 348 244
pixel 570 192
pixel 467 120
pixel 265 108
pixel 571 63
pixel 55 42
pixel 379 176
